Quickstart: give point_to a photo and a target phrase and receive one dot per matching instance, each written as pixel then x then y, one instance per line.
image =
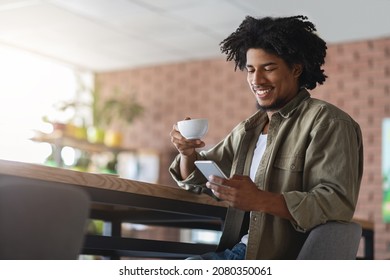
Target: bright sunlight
pixel 29 87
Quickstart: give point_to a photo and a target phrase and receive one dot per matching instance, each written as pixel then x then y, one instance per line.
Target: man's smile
pixel 261 92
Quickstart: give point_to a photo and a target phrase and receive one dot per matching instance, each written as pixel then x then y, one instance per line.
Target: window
pixel 29 87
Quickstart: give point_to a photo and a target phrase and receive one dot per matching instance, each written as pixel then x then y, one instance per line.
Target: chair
pixel 332 241
pixel 41 221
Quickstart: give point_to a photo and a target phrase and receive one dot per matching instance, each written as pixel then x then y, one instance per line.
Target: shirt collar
pixel 290 107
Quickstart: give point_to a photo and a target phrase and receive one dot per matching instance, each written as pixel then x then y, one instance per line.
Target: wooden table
pixel 121 200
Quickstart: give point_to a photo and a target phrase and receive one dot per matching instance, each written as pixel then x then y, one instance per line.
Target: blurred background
pixel 96 85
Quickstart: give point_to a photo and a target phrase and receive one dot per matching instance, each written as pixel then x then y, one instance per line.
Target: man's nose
pixel 258 78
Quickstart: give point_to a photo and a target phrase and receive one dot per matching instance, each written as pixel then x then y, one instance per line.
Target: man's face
pixel 273 83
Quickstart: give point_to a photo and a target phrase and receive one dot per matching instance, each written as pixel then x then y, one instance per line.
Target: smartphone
pixel 209 167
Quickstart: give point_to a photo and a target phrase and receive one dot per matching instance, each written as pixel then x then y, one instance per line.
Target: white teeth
pixel 262 91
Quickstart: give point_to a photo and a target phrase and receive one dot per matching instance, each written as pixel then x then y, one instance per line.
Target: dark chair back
pixel 42 222
pixel 332 241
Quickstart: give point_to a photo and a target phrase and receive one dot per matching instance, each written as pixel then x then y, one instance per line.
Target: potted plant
pixel 77 111
pixel 109 115
pixel 117 112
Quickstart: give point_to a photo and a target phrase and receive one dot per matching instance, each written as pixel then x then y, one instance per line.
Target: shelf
pixel 144 162
pixel 60 139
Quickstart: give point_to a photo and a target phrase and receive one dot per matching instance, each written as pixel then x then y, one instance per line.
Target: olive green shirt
pixel 314 157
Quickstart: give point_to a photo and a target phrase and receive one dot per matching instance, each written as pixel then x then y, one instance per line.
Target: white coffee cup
pixel 194 128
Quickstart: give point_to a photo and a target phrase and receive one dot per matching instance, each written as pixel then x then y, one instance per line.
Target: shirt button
pixel 292 166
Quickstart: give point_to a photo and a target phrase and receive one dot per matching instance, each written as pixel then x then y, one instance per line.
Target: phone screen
pixel 209 167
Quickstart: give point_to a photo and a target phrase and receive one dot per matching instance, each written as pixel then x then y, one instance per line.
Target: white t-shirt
pixel 257 155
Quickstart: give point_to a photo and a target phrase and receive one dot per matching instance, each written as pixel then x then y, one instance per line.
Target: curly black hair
pixel 291 38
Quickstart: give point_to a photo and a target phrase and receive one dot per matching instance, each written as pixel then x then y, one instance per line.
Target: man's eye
pixel 268 69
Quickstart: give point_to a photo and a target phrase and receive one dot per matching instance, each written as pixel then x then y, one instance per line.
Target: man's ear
pixel 297 70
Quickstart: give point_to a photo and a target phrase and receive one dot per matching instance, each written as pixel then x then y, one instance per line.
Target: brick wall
pixel 359 83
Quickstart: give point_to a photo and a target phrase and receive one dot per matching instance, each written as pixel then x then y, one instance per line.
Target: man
pixel 294 164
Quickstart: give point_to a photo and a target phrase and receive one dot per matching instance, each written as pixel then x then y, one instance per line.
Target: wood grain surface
pixel 102 181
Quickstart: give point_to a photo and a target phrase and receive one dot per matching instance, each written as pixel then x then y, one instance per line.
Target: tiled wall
pixel 359 83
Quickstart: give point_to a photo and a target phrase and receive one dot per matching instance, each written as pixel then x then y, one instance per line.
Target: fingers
pixel 241 177
pixel 220 191
pixel 175 133
pixel 232 190
pixel 184 146
pixel 178 139
pixel 219 187
pixel 234 182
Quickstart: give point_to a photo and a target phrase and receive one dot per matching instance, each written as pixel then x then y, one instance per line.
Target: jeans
pixel 236 253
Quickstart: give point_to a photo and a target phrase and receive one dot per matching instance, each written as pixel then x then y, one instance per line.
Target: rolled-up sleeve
pixel 195 182
pixel 331 176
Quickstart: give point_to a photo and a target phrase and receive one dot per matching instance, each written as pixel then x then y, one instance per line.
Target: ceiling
pixel 108 35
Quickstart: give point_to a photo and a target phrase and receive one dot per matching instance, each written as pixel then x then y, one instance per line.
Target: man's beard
pixel 275 106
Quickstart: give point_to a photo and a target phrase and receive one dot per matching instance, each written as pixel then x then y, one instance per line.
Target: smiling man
pixel 295 164
pixel 273 82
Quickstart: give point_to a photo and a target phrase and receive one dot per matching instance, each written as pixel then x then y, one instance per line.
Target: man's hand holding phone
pixel 239 190
pixel 213 174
